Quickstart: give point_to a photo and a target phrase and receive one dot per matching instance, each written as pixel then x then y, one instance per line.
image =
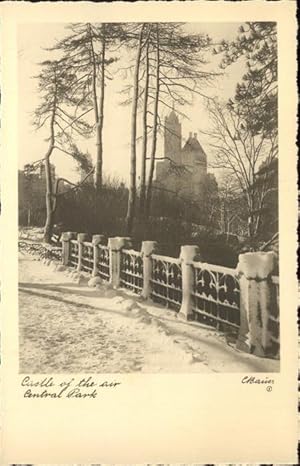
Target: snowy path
pixel 65 326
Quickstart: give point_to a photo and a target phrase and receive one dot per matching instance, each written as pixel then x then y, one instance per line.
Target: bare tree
pixel 232 205
pixel 155 121
pixel 132 186
pixel 87 54
pixel 172 67
pixel 54 114
pixel 178 73
pixel 145 125
pixel 240 152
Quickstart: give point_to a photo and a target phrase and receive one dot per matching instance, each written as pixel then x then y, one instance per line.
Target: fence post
pixel 115 247
pixel 148 248
pixel 65 239
pixel 81 237
pixel 97 239
pixel 255 272
pixel 187 255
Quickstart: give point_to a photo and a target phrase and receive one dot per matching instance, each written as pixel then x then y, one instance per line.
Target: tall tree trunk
pixel 154 136
pixel 251 221
pixel 28 216
pixel 99 124
pixel 95 106
pixel 48 229
pixel 223 219
pixel 145 133
pixel 132 185
pixel 252 209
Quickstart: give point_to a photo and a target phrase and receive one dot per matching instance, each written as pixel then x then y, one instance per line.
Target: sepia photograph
pixel 148 197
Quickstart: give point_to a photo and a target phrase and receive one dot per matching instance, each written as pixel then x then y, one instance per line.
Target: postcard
pixel 148 195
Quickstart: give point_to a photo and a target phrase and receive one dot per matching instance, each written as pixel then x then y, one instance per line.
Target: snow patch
pixel 129 305
pixel 80 278
pixel 109 293
pixel 53 266
pixel 69 329
pixel 99 287
pixel 93 282
pixel 60 268
pixel 118 300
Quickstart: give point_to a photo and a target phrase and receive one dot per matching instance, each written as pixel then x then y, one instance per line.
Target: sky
pixel 33 38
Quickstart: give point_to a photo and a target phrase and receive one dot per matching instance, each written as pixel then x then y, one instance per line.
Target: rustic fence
pixel 242 301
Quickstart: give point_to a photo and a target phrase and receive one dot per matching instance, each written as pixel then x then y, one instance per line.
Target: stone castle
pixel 184 169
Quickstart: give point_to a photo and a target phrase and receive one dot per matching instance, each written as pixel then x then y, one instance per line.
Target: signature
pixel 250 379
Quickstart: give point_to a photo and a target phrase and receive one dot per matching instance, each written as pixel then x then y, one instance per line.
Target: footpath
pixel 66 326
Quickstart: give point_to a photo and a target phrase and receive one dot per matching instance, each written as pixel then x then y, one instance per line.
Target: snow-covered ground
pixel 31 233
pixel 66 326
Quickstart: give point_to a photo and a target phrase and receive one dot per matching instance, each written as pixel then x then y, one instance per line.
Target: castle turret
pixel 172 139
pixel 193 153
pixel 188 174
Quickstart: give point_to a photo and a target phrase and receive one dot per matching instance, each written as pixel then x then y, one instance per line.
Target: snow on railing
pixel 275 281
pixel 73 259
pixel 243 300
pixel 103 262
pixel 166 281
pixel 131 276
pixel 216 296
pixel 273 322
pixel 87 256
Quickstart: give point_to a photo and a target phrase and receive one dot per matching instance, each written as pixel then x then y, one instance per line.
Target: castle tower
pixel 172 137
pixel 193 153
pixel 188 175
pixel 194 156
